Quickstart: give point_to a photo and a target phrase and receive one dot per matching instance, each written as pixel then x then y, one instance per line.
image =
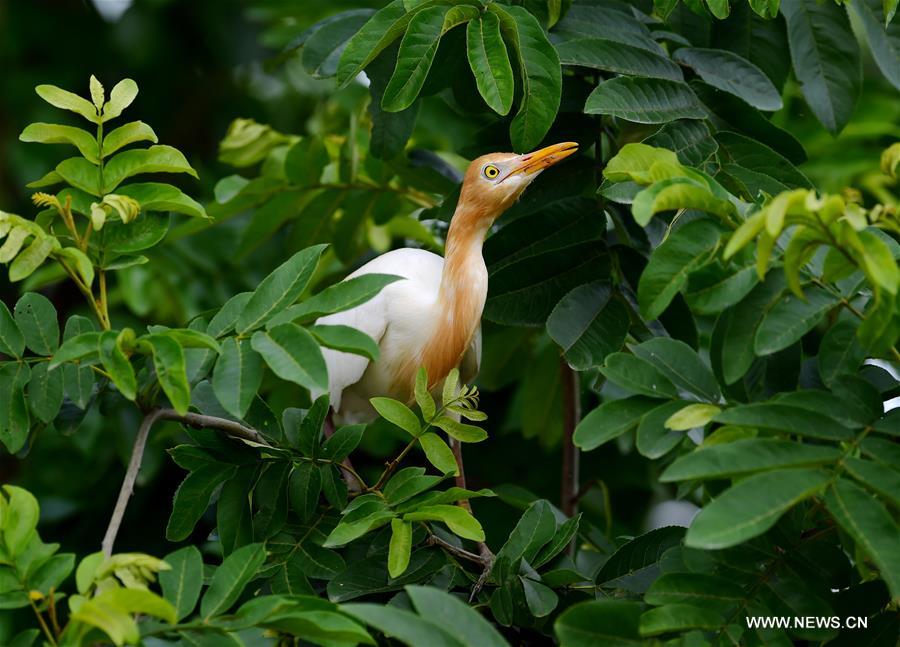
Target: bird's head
pixel 494 182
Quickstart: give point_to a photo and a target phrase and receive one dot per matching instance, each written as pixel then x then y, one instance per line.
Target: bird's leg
pixel 353 484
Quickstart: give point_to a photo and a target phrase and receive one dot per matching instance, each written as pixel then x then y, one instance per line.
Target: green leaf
pixel 786 418
pixel 323 48
pixel 710 290
pixel 667 272
pixel 398 414
pixel 882 37
pixel 346 339
pixel 31 258
pixel 76 348
pixel 748 153
pixel 279 289
pixel 489 62
pixel 691 416
pixel 12 341
pixel 540 71
pixel 681 364
pixel 695 588
pixel 637 375
pixel 182 583
pixel 45 391
pixel 345 532
pixel 342 442
pixel 304 489
pixel 645 101
pixel 871 527
pixel 237 375
pixel 292 354
pixel 155 196
pixel 653 438
pixel 42 133
pixel 401 624
pixel 120 97
pixel 390 130
pixel 337 298
pixel 746 456
pixel 678 617
pixel 535 528
pixel 634 161
pixel 564 536
pixel 620 58
pixel 66 100
pixel 380 31
pixel 423 396
pixel 78 381
pixel 193 496
pixel 130 133
pixel 438 453
pixel 877 477
pixel 458 519
pixel 599 622
pixel 156 159
pixel 20 518
pixel 79 260
pixel 732 73
pixel 225 319
pixel 400 547
pixel 826 59
pixel 541 600
pixel 407 483
pixel 116 364
pixel 417 50
pixel 454 616
pixel 791 318
pixel 752 506
pixel 610 420
pixel 168 360
pixel 36 318
pixel 677 193
pixel 588 324
pixel 462 432
pixel 690 140
pixel 230 579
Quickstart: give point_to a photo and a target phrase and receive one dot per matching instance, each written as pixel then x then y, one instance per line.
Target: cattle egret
pixel 433 317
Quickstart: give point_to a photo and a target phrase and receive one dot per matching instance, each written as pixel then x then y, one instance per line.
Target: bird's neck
pixel 461 297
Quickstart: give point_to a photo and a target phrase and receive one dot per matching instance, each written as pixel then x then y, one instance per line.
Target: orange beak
pixel 543 158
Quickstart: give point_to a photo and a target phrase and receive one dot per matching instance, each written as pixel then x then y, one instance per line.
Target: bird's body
pixel 432 317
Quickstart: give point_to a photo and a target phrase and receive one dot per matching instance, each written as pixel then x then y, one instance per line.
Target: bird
pixel 432 316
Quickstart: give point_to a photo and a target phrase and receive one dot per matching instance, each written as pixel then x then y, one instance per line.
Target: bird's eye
pixel 491 171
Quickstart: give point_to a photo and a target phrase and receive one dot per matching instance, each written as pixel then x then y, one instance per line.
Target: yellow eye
pixel 491 171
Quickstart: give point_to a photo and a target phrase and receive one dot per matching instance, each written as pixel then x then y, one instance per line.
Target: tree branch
pixel 571 414
pixel 230 427
pixel 134 466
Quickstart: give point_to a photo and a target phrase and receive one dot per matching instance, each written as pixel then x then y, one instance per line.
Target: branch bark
pixel 571 414
pixel 228 427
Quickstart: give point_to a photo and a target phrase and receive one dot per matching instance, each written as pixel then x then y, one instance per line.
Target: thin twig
pixel 571 414
pixel 134 466
pixel 462 553
pixel 200 421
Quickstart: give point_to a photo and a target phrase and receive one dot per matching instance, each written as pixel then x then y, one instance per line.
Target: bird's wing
pixel 373 316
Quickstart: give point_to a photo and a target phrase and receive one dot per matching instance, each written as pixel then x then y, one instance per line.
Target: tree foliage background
pixel 703 303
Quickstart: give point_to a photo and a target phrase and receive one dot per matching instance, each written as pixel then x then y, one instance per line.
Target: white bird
pixel 433 317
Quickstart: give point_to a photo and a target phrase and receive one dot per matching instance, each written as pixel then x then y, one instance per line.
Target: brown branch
pixel 571 414
pixel 134 466
pixel 434 540
pixel 199 421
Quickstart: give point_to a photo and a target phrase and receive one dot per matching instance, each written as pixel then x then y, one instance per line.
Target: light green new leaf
pixel 540 72
pixel 634 161
pixel 45 391
pixel 237 376
pixel 826 59
pixel 79 260
pixel 423 396
pixel 66 100
pixel 438 453
pixel 489 62
pixel 36 318
pixel 292 354
pixel 230 579
pixel 279 289
pixel 746 456
pixel 458 519
pixel 116 364
pixel 677 193
pixel 168 360
pixel 76 348
pixel 346 339
pixel 400 547
pixel 612 56
pixel 870 525
pixel 42 133
pixel 645 101
pixel 181 584
pixel 732 73
pixel 120 97
pixel 397 413
pixel 666 273
pixel 156 159
pixel 417 51
pixel 610 420
pixel 752 506
pixel 134 131
pixel 155 196
pixel 691 416
pixel 31 258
